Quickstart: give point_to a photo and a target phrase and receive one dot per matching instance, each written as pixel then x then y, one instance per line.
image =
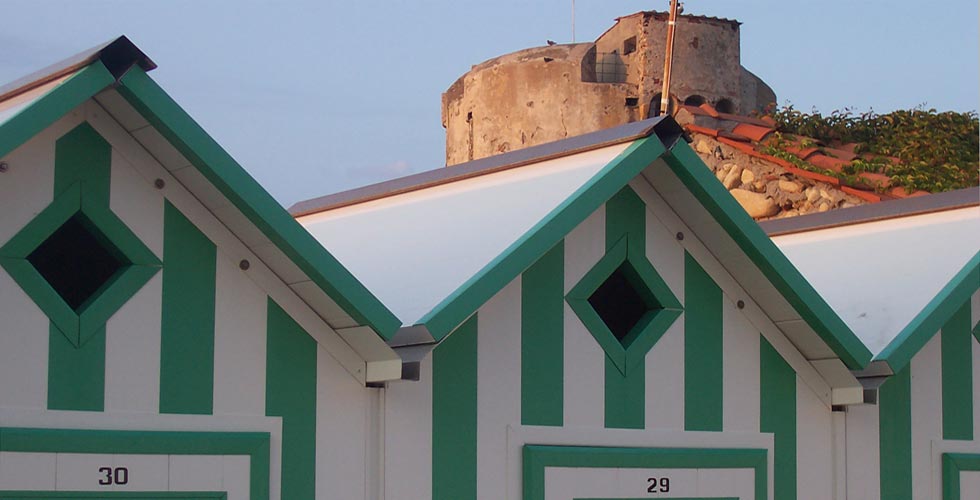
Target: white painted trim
pixel 383 364
pixel 227 243
pixel 731 288
pixel 50 419
pixel 630 438
pixel 939 447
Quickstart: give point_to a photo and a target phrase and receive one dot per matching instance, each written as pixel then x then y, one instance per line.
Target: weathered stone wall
pixel 756 94
pixel 543 94
pixel 706 56
pixel 530 97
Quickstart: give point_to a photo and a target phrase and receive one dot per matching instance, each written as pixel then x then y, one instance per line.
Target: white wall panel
pixel 740 370
pixel 814 445
pixel 498 387
pixel 664 404
pixel 240 317
pixel 28 183
pixel 584 362
pixel 663 250
pixel 343 421
pixel 134 200
pixel 863 461
pixel 969 484
pixel 408 437
pixel 927 417
pixel 24 333
pixel 27 471
pixel 132 352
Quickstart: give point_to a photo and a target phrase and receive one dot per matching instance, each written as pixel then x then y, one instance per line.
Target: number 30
pixel 658 485
pixel 118 475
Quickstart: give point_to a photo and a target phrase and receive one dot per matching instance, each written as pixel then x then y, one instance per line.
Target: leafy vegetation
pixel 938 151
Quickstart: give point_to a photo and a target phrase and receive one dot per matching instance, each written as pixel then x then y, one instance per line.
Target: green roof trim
pixel 56 103
pixel 466 299
pixel 255 202
pixel 900 351
pixel 754 242
pixel 684 162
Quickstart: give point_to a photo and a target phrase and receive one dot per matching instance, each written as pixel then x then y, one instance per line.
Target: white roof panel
pixel 878 275
pixel 414 249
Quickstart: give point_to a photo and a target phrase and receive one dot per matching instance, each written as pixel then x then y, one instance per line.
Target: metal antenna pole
pixel 573 21
pixel 671 24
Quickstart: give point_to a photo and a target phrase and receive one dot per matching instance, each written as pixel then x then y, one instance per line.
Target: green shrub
pixel 939 151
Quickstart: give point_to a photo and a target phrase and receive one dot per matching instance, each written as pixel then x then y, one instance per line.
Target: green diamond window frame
pixel 651 326
pixel 78 326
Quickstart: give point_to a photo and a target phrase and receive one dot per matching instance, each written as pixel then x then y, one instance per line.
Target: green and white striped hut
pixel 595 318
pixel 167 330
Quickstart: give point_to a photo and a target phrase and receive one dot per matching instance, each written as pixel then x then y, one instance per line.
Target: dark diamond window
pixel 619 303
pixel 76 260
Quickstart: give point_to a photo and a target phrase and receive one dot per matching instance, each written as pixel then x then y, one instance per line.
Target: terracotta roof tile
pixel 864 195
pixel 754 132
pixel 712 112
pixel 824 161
pixel 801 153
pixel 690 127
pixel 876 181
pixel 841 154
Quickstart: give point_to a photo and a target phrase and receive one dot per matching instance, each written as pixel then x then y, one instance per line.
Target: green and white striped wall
pixel 927 411
pixel 524 370
pixel 204 351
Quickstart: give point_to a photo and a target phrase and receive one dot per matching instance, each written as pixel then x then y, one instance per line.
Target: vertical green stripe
pixel 76 376
pixel 82 155
pixel 703 355
pixel 957 354
pixel 290 393
pixel 625 397
pixel 187 331
pixel 542 339
pixel 778 416
pixel 895 436
pixel 625 394
pixel 454 395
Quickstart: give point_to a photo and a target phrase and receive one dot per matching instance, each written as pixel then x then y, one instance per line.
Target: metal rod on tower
pixel 668 59
pixel 573 21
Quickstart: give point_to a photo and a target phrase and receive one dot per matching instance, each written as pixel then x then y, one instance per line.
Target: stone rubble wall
pixel 765 189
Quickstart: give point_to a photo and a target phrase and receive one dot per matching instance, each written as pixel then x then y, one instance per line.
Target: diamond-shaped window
pixel 78 262
pixel 624 304
pixel 620 303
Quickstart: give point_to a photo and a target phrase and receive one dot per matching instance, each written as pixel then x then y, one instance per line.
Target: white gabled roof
pixel 879 275
pixel 414 249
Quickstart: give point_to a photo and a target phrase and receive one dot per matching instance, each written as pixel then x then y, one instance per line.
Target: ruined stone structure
pixel 543 94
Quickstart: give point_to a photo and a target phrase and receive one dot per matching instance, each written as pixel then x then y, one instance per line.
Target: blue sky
pixel 314 97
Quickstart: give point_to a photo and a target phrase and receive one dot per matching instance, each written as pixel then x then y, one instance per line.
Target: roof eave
pixel 900 351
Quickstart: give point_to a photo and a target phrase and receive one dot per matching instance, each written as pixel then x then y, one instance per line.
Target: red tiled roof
pixel 755 132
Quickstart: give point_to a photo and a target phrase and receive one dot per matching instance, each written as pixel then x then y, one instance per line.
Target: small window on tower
pixel 629 45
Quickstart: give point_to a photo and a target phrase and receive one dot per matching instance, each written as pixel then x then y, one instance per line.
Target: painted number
pixel 110 476
pixel 658 485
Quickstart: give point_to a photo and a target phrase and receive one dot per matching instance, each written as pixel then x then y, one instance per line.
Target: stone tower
pixel 544 94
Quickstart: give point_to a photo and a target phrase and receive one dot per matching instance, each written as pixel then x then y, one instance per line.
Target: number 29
pixel 658 485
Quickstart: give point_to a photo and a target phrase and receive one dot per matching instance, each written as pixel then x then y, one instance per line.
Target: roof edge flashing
pixel 118 57
pixel 122 54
